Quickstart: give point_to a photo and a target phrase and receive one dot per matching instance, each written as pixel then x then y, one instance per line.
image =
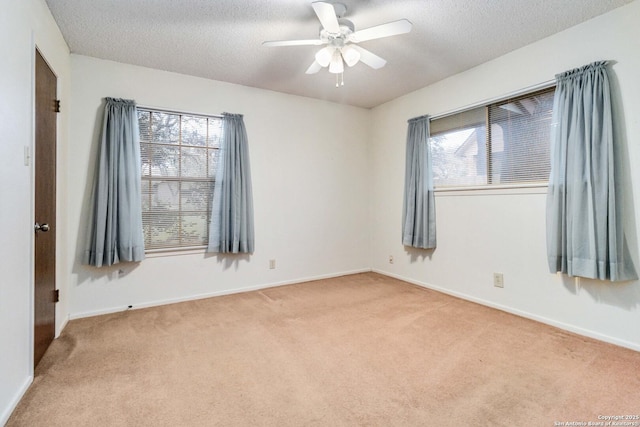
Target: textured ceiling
pixel 221 39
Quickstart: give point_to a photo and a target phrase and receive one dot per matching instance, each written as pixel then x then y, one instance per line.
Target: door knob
pixel 41 227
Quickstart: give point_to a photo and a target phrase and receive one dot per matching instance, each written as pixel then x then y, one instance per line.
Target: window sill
pixel 491 190
pixel 158 253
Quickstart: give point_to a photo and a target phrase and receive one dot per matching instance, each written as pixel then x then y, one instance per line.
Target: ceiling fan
pixel 341 40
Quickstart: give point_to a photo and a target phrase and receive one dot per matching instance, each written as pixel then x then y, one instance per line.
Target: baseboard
pixel 156 303
pixel 6 413
pixel 61 326
pixel 565 326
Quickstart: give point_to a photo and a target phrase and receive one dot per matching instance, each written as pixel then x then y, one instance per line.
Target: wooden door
pixel 45 295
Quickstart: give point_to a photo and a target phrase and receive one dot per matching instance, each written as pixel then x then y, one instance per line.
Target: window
pixel 506 142
pixel 179 154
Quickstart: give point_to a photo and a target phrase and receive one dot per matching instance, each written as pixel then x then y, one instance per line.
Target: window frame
pixel 180 250
pixel 533 187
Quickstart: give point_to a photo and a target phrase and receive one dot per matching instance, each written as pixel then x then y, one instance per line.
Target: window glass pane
pixel 196 196
pixel 165 128
pixel 215 132
pixel 165 196
pixel 459 157
pixel 520 132
pixel 144 119
pixel 165 161
pixel 194 226
pixel 194 131
pixel 161 230
pixel 194 162
pixel 145 158
pixel 146 195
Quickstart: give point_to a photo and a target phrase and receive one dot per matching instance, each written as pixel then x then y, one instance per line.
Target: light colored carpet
pixel 356 350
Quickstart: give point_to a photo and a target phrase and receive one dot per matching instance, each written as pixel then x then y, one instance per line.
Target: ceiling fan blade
pixel 327 16
pixel 394 28
pixel 315 42
pixel 371 59
pixel 314 68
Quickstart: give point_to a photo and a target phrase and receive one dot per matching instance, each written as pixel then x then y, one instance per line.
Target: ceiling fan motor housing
pixel 340 9
pixel 341 38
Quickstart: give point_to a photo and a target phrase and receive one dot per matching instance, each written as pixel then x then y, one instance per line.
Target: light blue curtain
pixel 419 211
pixel 115 223
pixel 231 226
pixel 584 226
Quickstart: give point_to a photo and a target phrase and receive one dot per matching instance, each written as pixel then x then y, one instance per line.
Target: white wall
pixel 309 163
pixel 23 26
pixel 504 231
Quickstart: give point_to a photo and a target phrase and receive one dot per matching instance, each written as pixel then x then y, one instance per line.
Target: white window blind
pixel 179 154
pixel 505 142
pixel 458 147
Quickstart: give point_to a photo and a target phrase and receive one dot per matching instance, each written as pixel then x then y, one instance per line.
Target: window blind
pixel 520 131
pixel 505 142
pixel 179 155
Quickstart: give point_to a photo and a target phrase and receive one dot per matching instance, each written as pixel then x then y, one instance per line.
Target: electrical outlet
pixel 390 259
pixel 498 280
pixel 272 264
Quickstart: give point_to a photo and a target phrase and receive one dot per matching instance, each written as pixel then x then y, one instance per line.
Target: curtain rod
pixel 169 110
pixel 533 88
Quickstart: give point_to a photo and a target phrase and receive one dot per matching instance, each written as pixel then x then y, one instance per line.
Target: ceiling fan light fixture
pixel 336 66
pixel 351 56
pixel 325 55
pixel 340 40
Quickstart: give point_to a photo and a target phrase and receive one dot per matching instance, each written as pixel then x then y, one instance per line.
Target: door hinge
pixel 56 295
pixel 57 106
